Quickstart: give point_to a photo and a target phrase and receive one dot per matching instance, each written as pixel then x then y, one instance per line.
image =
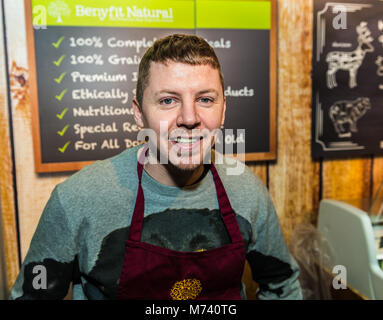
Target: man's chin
pixel 186 164
pixel 185 161
pixel 185 167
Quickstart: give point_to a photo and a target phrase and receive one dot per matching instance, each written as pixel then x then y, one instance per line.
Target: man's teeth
pixel 186 140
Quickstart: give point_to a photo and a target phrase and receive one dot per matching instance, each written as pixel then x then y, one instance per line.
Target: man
pixel 137 227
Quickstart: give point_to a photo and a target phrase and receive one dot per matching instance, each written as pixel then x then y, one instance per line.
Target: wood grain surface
pixel 294 178
pixel 348 180
pixel 377 174
pixel 7 199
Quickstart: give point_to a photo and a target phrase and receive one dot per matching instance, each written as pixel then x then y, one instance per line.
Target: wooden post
pixel 7 199
pixel 294 178
pixel 377 174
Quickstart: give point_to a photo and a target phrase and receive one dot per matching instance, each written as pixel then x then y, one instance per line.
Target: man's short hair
pixel 184 48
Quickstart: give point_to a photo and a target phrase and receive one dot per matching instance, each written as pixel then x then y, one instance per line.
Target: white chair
pixel 350 234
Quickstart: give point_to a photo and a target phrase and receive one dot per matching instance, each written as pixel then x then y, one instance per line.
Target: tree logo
pixel 57 9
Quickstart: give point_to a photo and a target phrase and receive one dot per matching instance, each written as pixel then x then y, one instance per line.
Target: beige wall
pixel 294 180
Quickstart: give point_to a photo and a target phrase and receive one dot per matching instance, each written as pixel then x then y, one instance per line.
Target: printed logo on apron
pixel 186 289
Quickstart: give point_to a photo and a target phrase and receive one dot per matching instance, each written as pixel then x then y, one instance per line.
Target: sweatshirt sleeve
pixel 48 267
pixel 272 265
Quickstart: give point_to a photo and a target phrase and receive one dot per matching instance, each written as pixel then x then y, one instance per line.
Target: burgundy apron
pixel 153 272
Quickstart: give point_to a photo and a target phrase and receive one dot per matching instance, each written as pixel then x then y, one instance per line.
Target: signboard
pixel 347 108
pixel 84 58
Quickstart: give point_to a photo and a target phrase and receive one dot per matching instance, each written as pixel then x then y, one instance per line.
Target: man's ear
pixel 137 113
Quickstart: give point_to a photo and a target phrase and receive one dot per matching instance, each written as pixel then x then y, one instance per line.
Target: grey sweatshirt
pixel 80 238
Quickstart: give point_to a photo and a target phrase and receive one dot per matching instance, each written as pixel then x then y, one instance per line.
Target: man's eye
pixel 166 101
pixel 206 100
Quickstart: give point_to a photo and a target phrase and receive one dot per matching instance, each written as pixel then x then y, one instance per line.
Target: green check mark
pixel 62 114
pixel 58 62
pixel 61 95
pixel 57 44
pixel 58 80
pixel 62 132
pixel 62 149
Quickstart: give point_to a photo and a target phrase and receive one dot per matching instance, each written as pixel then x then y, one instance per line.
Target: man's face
pixel 189 100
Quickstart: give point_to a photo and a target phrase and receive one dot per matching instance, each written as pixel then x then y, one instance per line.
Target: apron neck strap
pixel 227 211
pixel 139 207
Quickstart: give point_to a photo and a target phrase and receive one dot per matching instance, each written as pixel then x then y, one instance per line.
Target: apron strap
pixel 139 208
pixel 227 211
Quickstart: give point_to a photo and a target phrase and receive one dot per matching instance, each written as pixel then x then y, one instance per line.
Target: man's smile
pixel 186 143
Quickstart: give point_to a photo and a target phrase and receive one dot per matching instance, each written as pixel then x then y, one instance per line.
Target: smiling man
pixel 186 110
pixel 136 227
pixel 182 101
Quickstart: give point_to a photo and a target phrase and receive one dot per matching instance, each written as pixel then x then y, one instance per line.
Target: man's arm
pixel 48 267
pixel 272 265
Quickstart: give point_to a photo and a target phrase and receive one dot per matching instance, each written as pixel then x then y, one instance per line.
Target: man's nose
pixel 188 116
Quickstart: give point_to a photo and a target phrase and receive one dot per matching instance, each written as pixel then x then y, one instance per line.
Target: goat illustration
pixel 349 60
pixel 343 112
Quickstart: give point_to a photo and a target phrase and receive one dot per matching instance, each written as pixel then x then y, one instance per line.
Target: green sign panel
pixel 119 13
pixel 225 14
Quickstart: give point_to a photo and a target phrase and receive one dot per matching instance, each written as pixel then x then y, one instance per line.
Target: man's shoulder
pixel 237 173
pixel 101 174
pixel 248 194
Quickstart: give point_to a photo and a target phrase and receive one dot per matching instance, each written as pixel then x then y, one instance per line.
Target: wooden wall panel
pixel 294 178
pixel 7 200
pixel 377 174
pixel 348 180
